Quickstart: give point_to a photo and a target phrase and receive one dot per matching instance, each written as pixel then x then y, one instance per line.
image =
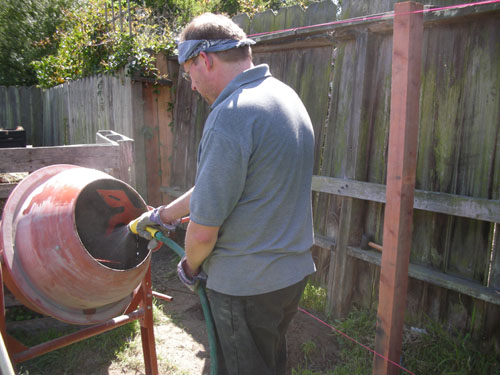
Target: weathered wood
pixel 126 169
pixel 173 192
pixel 153 167
pixel 378 22
pixel 494 275
pixel 243 21
pixel 154 81
pixel 190 113
pixel 428 275
pixel 6 189
pixel 450 204
pixel 457 154
pixel 401 170
pixel 314 41
pixel 165 125
pixel 348 142
pixel 31 159
pixel 21 106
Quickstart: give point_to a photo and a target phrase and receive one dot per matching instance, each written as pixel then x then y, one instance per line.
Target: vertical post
pixel 113 13
pixel 121 15
pixel 151 145
pixel 165 126
pixel 147 327
pixel 129 18
pixel 127 161
pixel 401 168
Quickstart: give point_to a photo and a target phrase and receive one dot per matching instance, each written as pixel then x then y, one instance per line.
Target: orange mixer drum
pixel 65 247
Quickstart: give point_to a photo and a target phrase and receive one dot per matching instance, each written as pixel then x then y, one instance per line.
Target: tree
pixel 27 33
pixel 49 42
pixel 91 43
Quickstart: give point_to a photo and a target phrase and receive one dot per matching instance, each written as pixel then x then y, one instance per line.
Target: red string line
pixel 387 15
pixel 357 342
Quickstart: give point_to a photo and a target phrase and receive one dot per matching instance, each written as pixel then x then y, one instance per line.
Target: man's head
pixel 213 50
pixel 214 33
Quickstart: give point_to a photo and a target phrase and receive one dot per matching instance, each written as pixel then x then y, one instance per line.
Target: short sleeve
pixel 220 179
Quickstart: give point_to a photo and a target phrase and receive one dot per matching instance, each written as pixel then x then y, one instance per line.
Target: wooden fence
pixel 110 152
pixel 22 106
pixel 72 113
pixel 342 71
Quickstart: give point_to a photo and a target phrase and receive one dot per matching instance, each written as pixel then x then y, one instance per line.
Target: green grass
pixel 448 353
pixel 101 350
pixel 432 350
pixel 121 345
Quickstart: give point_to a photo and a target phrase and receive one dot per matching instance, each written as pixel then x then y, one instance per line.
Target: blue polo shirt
pixel 255 163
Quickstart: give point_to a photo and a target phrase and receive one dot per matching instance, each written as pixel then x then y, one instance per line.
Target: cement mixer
pixel 65 247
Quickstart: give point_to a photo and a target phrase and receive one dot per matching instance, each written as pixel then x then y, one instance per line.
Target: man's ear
pixel 207 60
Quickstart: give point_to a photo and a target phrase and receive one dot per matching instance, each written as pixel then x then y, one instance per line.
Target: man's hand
pixel 152 218
pixel 187 277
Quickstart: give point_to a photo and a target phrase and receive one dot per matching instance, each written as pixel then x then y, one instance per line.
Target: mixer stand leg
pixel 147 326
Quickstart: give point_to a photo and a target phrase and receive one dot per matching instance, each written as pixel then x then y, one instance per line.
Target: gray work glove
pixel 192 282
pixel 152 219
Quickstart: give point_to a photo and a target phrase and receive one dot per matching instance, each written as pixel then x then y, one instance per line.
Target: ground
pixel 181 340
pixel 184 340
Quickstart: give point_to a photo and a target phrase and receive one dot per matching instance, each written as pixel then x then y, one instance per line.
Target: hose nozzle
pixel 132 227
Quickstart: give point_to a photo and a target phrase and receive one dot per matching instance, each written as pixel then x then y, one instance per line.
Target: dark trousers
pixel 251 330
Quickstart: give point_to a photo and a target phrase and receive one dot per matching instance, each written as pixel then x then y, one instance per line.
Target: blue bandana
pixel 191 48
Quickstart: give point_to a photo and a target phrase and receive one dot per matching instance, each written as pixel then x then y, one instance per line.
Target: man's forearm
pixel 176 209
pixel 200 242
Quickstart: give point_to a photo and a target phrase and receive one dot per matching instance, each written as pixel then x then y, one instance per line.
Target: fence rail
pixel 112 154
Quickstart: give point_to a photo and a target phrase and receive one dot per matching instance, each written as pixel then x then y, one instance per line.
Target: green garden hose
pixel 204 303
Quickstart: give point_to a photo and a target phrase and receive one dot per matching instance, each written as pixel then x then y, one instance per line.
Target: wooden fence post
pixel 126 170
pixel 401 168
pixel 158 139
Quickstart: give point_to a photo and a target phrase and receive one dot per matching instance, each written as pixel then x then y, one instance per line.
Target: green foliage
pixel 20 313
pixel 431 351
pixel 360 325
pixel 27 33
pixel 308 348
pixel 179 12
pixel 314 298
pixel 50 42
pixel 89 44
pixel 448 353
pixel 102 349
pixel 305 371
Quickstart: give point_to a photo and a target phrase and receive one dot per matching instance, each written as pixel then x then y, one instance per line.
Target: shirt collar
pixel 253 74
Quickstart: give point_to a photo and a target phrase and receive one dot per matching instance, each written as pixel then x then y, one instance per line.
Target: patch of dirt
pixel 310 344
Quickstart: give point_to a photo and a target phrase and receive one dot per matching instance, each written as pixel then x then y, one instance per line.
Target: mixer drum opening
pixel 102 212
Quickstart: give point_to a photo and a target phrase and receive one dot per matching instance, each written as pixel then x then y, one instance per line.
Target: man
pixel 250 209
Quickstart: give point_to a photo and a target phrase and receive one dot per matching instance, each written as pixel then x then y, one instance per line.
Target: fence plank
pixel 31 159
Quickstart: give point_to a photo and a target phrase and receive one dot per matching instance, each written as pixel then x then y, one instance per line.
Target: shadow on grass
pixel 94 354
